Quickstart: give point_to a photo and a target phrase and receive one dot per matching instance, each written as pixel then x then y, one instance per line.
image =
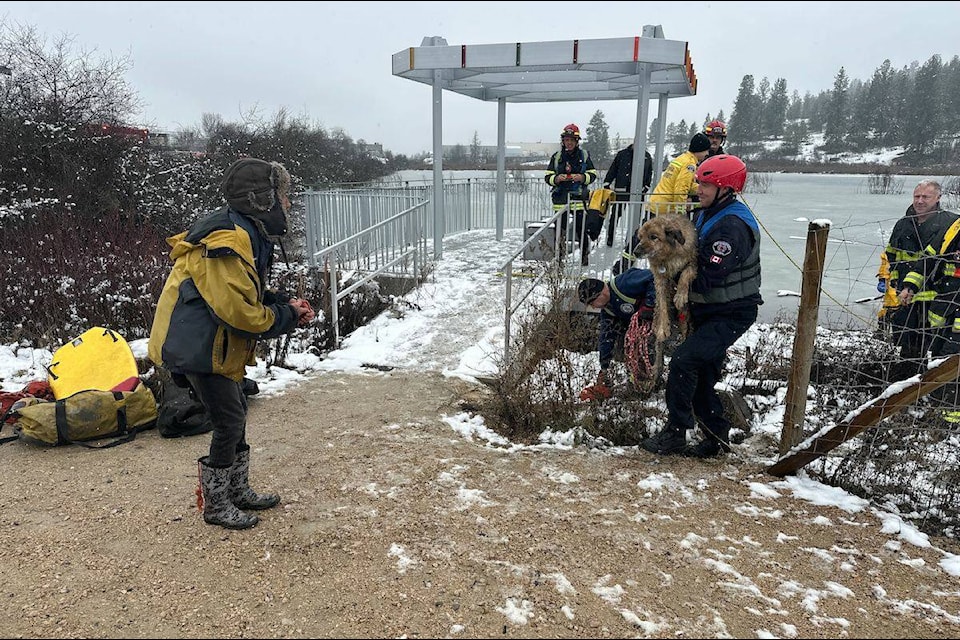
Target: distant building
pixel 512 150
pixel 374 149
pixel 159 139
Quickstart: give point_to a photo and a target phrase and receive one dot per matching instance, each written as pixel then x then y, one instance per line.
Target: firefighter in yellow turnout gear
pixel 943 269
pixel 916 238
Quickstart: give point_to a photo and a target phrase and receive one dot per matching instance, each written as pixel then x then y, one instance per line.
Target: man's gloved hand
pixel 882 286
pixel 597 391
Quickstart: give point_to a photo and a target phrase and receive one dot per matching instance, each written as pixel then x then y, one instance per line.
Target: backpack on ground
pixel 98 358
pixel 180 413
pixel 89 415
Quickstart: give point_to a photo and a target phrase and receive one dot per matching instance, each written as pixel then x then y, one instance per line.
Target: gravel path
pixel 393 524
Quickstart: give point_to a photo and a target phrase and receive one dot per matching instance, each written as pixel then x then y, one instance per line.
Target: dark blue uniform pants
pixel 695 369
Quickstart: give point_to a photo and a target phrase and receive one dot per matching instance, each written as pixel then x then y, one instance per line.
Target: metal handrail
pixel 507 269
pixel 415 250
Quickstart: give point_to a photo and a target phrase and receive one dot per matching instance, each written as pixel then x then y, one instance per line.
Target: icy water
pixel 860 225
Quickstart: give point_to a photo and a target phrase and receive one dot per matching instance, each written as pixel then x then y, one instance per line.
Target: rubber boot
pixel 214 498
pixel 242 496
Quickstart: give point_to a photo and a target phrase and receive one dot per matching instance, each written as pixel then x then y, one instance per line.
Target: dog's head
pixel 666 236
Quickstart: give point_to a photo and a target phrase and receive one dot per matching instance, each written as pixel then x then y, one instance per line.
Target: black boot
pixel 669 441
pixel 711 446
pixel 214 493
pixel 242 496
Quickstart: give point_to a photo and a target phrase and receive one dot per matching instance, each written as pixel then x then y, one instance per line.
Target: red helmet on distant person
pixel 724 171
pixel 570 131
pixel 716 128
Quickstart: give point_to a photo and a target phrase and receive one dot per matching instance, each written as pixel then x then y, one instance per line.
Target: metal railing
pixel 377 229
pixel 394 246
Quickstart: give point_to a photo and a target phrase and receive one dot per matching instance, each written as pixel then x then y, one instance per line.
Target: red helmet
pixel 716 128
pixel 724 171
pixel 570 131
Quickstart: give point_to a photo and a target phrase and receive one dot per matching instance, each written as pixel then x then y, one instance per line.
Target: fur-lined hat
pixel 254 188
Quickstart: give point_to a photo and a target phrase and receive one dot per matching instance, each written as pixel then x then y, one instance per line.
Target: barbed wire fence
pixel 908 462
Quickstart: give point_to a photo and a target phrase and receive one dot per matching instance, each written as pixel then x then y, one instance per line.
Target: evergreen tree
pixel 951 97
pixel 795 108
pixel 763 97
pixel 743 120
pixel 858 134
pixel 902 86
pixel 835 128
pixel 795 135
pixel 680 140
pixel 475 150
pixel 775 113
pixel 924 108
pixel 598 140
pixel 880 104
pixel 651 132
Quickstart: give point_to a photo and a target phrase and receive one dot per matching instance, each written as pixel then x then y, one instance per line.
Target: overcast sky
pixel 332 61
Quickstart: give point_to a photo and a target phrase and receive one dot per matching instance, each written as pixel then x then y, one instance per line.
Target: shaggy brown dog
pixel 669 242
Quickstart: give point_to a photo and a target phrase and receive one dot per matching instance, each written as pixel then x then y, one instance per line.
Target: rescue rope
pixel 636 351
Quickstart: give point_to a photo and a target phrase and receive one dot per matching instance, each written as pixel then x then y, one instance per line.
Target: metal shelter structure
pixel 634 68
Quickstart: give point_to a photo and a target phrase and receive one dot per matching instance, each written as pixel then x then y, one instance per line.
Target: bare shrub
pixel 883 182
pixel 758 182
pixel 951 192
pixel 62 274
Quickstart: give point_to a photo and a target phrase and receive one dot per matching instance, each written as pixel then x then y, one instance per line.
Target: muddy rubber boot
pixel 242 496
pixel 214 498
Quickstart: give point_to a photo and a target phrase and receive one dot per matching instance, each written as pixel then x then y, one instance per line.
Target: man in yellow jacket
pixel 213 309
pixel 678 184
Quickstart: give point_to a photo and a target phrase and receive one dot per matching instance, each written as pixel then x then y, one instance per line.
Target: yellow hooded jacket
pixel 676 184
pixel 213 307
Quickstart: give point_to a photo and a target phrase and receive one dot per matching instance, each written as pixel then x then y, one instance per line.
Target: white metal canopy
pixel 634 68
pixel 564 70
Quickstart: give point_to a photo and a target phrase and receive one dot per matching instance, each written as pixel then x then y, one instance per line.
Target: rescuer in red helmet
pixel 724 301
pixel 716 132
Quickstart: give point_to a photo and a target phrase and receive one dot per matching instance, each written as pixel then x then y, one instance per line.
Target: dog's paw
pixel 680 300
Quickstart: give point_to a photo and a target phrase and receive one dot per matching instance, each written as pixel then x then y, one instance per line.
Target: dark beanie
pixel 589 289
pixel 250 185
pixel 699 142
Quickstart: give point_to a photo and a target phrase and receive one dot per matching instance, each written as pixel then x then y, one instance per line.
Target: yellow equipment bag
pixel 97 359
pixel 89 415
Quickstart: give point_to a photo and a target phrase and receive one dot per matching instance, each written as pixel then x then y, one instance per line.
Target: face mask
pixel 272 223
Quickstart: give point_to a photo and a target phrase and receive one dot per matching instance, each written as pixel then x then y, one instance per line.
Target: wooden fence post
pixel 802 358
